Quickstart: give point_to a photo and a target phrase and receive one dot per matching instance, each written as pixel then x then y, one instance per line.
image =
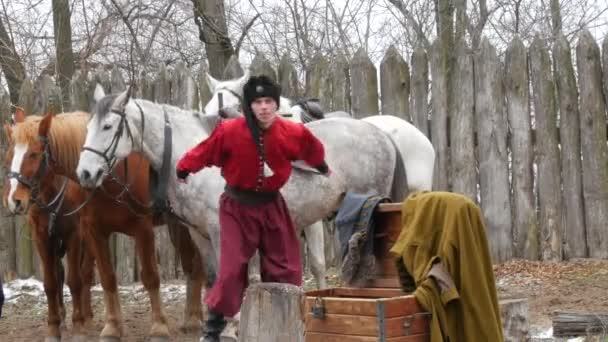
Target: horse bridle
pixel 109 154
pixel 54 206
pixel 33 183
pixel 159 203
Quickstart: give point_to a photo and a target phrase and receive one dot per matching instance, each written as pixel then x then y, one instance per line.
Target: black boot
pixel 213 328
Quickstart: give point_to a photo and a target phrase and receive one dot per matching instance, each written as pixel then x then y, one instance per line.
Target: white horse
pixel 361 157
pixel 416 151
pixel 415 148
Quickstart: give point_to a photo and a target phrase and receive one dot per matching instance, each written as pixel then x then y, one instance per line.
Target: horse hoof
pixel 79 338
pixel 159 339
pixel 192 326
pixel 109 339
pixel 52 339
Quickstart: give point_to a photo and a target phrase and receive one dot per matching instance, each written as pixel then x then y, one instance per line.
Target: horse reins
pixel 160 202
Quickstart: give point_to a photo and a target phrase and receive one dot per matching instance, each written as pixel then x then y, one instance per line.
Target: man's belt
pixel 249 196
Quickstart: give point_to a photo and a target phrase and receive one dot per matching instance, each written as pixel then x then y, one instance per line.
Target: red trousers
pixel 243 229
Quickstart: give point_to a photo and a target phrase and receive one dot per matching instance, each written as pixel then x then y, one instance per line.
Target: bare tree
pixel 63 48
pixel 11 63
pixel 210 17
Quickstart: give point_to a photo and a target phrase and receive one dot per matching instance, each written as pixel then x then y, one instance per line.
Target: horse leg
pixel 98 243
pixel 315 240
pixel 50 284
pixel 60 281
pixel 193 270
pixel 75 285
pixel 87 273
pixel 144 243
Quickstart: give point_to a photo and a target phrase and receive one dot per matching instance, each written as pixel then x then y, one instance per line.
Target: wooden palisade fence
pixel 517 135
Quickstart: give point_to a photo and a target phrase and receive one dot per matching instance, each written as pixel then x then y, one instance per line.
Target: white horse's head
pixel 231 92
pixel 109 137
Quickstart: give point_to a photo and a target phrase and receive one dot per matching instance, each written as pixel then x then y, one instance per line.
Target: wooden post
pixel 419 105
pixel 117 82
pixel 261 66
pixel 364 85
pixel 340 85
pixel 492 131
pixel 439 117
pixel 288 78
pixel 8 252
pixel 567 97
pixel 593 141
pixel 146 87
pixel 515 317
pixel 272 312
pixel 204 93
pixel 395 85
pixel 233 68
pixel 80 98
pixel 525 225
pixel 317 81
pixel 462 126
pixel 183 92
pixel 162 86
pixel 548 159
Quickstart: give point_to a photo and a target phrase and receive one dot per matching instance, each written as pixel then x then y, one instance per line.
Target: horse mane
pixel 66 137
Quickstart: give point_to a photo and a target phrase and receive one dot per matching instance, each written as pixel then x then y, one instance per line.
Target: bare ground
pixel 579 285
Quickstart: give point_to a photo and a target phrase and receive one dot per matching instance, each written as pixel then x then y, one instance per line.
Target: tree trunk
pixel 570 138
pixel 548 158
pixel 13 69
pixel 210 17
pixel 63 49
pixel 272 312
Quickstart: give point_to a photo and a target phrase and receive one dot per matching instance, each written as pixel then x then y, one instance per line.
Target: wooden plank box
pixel 381 311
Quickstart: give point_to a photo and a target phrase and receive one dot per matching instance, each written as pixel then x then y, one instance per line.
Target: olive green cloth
pixel 443 247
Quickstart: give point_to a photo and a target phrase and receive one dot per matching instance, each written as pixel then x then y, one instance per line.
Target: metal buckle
pixel 318 309
pixel 407 324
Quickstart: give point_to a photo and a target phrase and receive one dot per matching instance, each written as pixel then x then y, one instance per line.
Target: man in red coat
pixel 255 154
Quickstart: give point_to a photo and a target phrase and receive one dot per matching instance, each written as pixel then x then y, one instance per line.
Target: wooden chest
pixel 381 311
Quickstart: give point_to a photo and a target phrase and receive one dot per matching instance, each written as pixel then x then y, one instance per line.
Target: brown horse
pixel 53 195
pixel 118 206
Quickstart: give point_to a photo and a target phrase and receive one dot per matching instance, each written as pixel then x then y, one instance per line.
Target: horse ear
pixel 211 82
pixel 245 77
pixel 19 114
pixel 45 124
pixel 122 99
pixel 99 93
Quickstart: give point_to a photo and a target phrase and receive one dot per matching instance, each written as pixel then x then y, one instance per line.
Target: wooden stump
pixel 515 319
pixel 272 312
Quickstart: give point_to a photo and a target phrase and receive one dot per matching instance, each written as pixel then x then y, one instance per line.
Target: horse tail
pixel 399 189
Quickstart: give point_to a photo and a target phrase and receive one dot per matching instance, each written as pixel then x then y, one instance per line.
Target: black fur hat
pixel 260 86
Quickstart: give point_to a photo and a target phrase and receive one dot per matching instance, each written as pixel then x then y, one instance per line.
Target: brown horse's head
pixel 27 160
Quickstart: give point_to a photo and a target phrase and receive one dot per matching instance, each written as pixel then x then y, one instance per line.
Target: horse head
pixel 109 136
pixel 226 95
pixel 28 159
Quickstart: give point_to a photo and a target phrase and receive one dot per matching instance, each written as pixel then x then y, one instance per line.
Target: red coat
pixel 231 147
